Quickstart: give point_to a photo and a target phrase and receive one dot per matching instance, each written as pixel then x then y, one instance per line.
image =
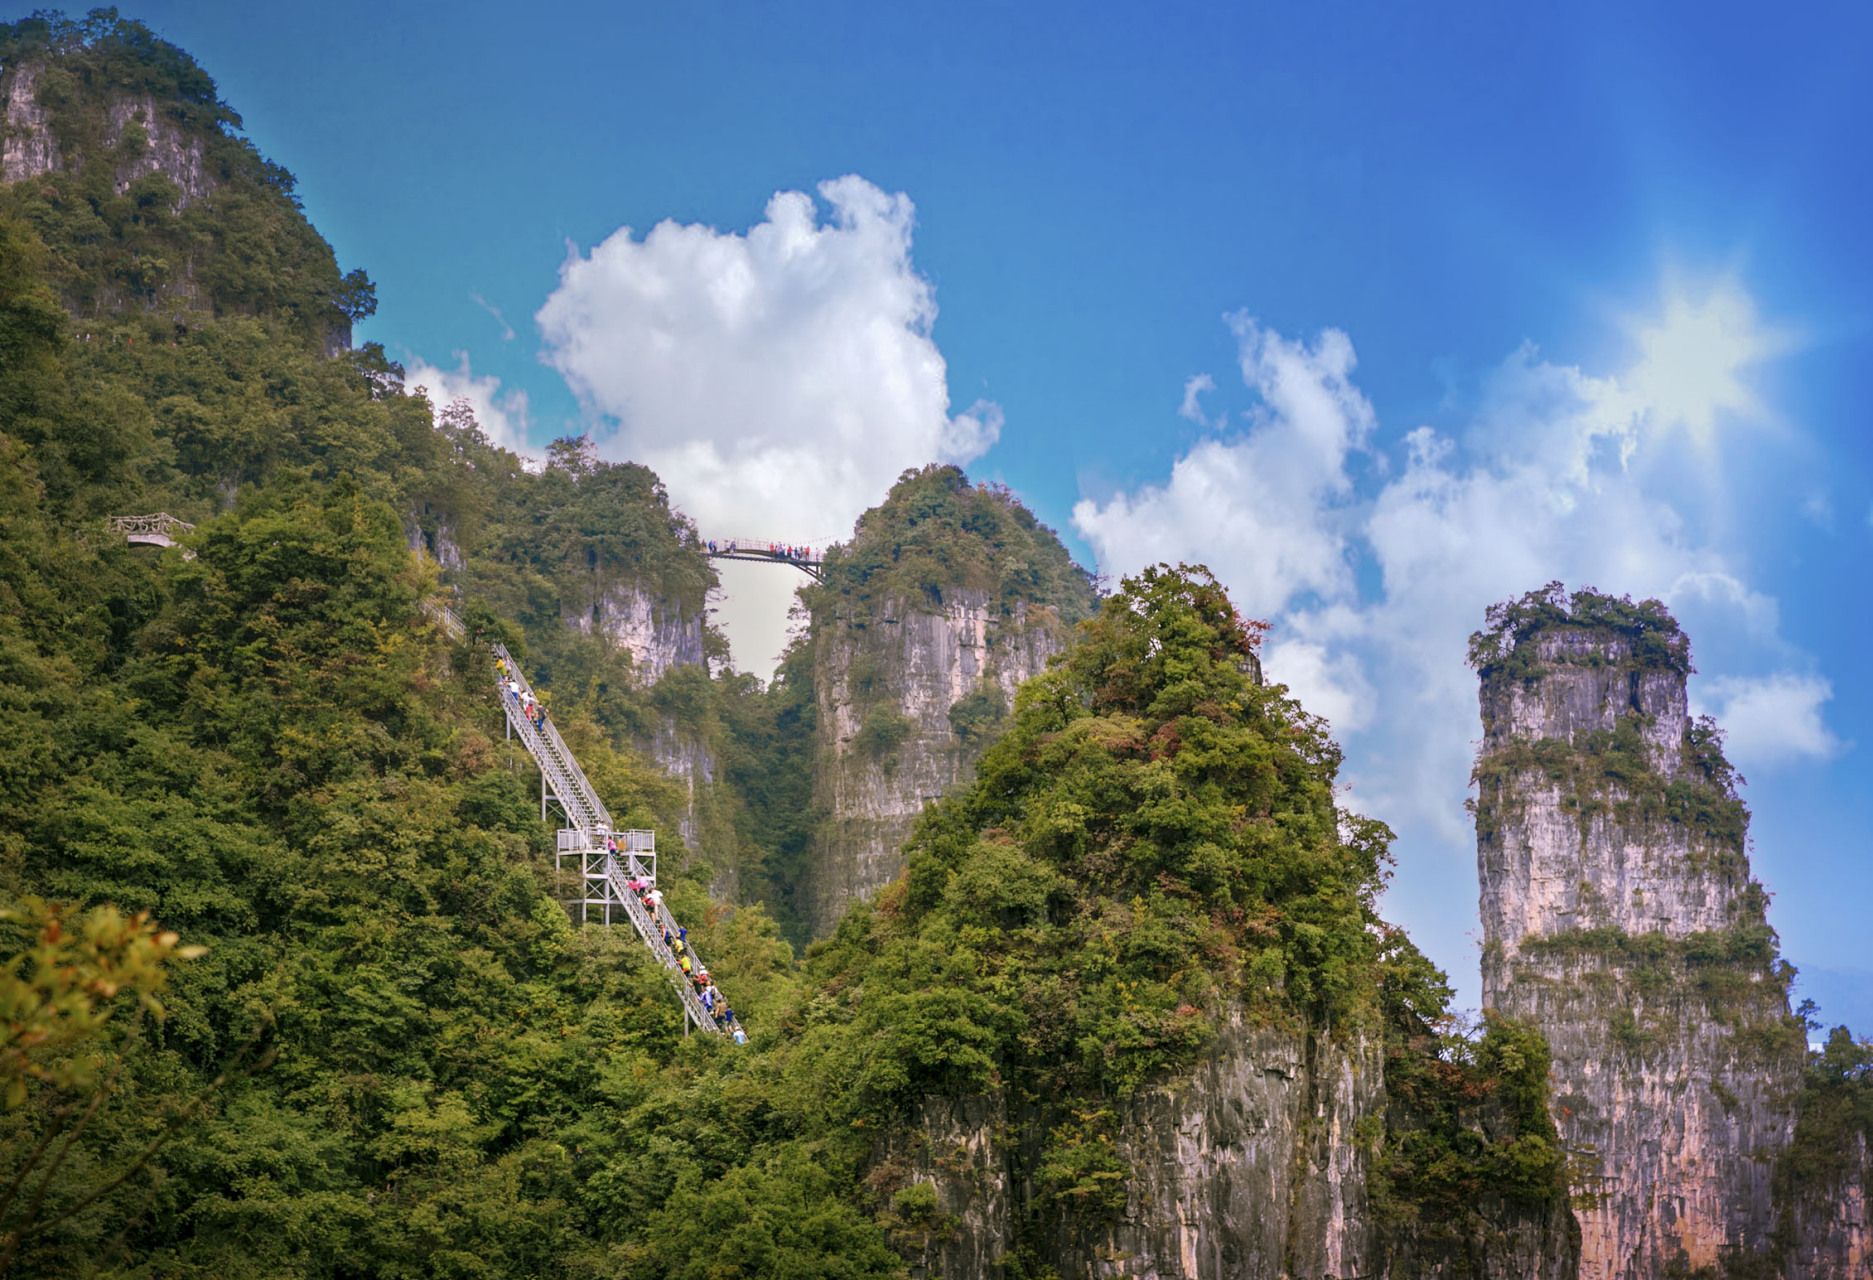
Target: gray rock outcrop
pixel 1252 1168
pixel 886 684
pixel 27 147
pixel 148 142
pixel 658 634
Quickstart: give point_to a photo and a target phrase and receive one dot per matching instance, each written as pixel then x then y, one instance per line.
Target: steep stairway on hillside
pixel 606 877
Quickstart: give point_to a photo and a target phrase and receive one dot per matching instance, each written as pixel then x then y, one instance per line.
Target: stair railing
pixel 587 815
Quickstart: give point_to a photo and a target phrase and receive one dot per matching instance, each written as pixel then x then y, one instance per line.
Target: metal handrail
pixel 587 814
pixel 580 786
pixel 648 929
pixel 568 782
pixel 159 524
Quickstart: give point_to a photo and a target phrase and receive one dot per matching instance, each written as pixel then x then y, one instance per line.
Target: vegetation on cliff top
pixel 936 533
pixel 1153 840
pixel 1647 634
pixel 1609 773
pixel 242 247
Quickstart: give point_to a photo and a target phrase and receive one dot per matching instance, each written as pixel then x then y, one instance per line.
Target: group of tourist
pixel 535 713
pixel 786 551
pixel 714 1003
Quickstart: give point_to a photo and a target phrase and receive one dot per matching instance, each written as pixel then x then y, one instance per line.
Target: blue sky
pixel 1608 263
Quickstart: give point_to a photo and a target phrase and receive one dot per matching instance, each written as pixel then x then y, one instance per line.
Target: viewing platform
pixel 803 556
pixel 159 530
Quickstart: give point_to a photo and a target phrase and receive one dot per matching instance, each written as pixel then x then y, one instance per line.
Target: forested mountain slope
pixel 1122 1003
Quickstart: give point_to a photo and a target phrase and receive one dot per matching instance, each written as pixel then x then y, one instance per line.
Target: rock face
pixel 886 683
pixel 656 633
pixel 1620 918
pixel 27 149
pixel 148 142
pixel 432 536
pixel 1828 1233
pixel 1253 1168
pixel 684 757
pixel 660 636
pixel 1270 1121
pixel 141 134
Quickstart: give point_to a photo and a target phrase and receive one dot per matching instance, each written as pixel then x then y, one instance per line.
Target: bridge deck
pixel 796 555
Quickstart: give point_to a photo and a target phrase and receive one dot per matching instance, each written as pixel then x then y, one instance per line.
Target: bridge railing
pixel 159 530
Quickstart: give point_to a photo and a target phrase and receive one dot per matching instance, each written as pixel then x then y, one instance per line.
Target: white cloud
pixel 778 380
pixel 1333 686
pixel 1192 407
pixel 1557 474
pixel 1818 508
pixel 507 330
pixel 1264 509
pixel 504 416
pixel 1769 721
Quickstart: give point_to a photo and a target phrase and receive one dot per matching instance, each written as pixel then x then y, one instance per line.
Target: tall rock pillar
pixel 897 687
pixel 949 595
pixel 1620 917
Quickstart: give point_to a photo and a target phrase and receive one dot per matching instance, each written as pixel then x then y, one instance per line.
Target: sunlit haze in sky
pixel 1384 314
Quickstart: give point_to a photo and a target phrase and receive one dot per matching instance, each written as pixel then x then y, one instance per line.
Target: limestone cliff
pixel 948 597
pixel 658 633
pixel 116 147
pixel 1112 941
pixel 28 148
pixel 139 136
pixel 1254 1166
pixel 1258 1165
pixel 887 681
pixel 1620 918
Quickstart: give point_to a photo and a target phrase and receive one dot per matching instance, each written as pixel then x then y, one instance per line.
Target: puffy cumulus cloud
pixel 1555 474
pixel 1769 721
pixel 504 416
pixel 1263 509
pixel 778 380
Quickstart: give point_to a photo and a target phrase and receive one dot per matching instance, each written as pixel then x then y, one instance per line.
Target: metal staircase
pixel 605 877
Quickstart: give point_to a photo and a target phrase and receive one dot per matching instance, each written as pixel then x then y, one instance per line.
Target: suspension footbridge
pixel 807 557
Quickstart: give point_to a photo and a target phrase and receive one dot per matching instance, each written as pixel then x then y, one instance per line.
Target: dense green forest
pixel 290 991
